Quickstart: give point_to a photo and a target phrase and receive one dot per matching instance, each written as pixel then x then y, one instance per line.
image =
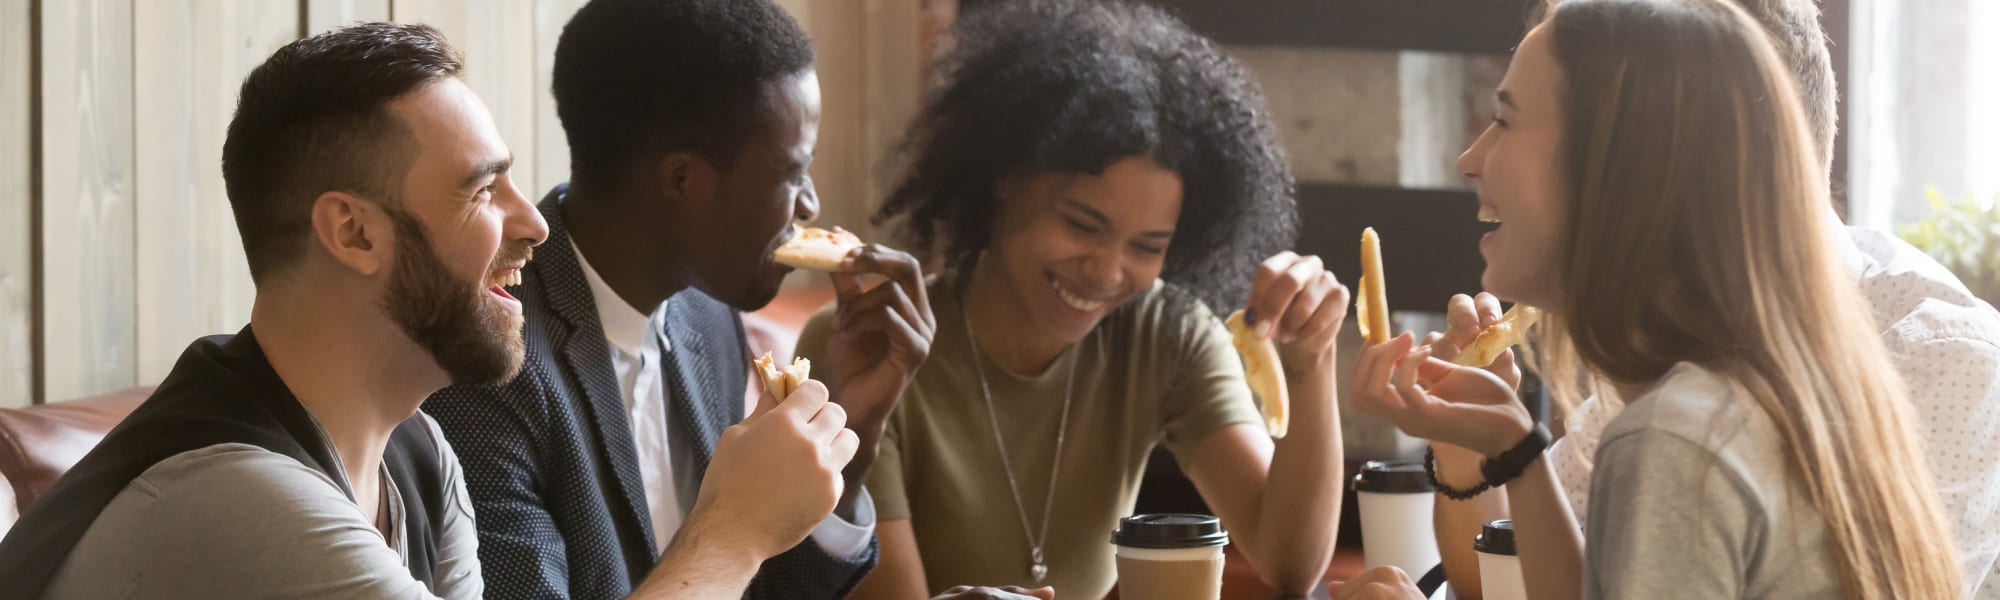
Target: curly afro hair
pixel 1072 86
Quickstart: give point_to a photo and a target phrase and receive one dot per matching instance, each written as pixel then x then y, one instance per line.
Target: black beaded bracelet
pixel 1430 471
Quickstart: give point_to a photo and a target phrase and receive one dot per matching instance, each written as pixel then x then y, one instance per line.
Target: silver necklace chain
pixel 1039 569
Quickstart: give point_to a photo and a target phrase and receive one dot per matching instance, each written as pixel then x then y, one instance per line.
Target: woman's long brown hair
pixel 1690 164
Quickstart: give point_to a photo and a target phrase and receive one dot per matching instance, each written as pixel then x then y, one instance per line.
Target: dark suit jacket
pixel 549 456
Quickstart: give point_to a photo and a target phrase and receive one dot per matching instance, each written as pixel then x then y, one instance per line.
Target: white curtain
pixel 1924 110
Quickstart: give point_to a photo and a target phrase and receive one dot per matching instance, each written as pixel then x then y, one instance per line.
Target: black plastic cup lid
pixel 1496 538
pixel 1392 477
pixel 1169 531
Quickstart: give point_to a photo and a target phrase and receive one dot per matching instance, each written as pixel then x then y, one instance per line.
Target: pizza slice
pixel 1264 372
pixel 817 249
pixel 1509 331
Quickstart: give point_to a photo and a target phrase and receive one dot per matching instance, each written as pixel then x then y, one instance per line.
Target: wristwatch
pixel 1496 471
pixel 1508 465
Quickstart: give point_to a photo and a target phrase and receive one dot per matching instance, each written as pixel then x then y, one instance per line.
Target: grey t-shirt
pixel 239 521
pixel 1692 498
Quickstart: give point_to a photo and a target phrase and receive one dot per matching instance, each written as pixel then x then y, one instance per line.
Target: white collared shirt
pixel 1946 345
pixel 639 344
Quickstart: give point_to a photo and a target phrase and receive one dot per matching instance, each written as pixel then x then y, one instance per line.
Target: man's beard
pixel 472 340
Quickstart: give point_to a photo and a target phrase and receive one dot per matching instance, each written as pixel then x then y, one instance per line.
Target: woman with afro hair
pixel 1099 183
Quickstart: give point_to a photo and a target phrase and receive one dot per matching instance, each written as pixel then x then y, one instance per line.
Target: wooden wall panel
pixel 551 148
pixel 17 366
pixel 322 15
pixel 192 277
pixel 840 158
pixel 1473 27
pixel 894 62
pixel 1337 110
pixel 496 37
pixel 88 292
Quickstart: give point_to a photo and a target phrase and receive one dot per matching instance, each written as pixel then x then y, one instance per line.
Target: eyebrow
pixel 1506 98
pixel 491 167
pixel 1104 220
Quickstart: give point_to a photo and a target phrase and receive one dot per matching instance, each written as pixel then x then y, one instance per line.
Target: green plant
pixel 1965 237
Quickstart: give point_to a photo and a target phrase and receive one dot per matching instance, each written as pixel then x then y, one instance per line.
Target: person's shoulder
pixel 1916 299
pixel 237 480
pixel 1693 403
pixel 434 434
pixel 694 301
pixel 202 513
pixel 1699 425
pixel 238 520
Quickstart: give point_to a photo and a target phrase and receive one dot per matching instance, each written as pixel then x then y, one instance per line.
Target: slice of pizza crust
pixel 797 374
pixel 1371 305
pixel 817 249
pixel 1509 331
pixel 782 381
pixel 1264 372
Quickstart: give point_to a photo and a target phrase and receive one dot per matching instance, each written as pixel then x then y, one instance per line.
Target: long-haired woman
pixel 1659 199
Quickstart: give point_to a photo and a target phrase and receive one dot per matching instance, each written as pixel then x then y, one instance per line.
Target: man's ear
pixel 354 231
pixel 686 177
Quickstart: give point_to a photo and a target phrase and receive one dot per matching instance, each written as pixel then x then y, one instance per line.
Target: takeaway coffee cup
pixel 1395 501
pixel 1170 557
pixel 1499 565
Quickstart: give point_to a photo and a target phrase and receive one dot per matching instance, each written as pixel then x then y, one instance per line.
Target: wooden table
pixel 1240 581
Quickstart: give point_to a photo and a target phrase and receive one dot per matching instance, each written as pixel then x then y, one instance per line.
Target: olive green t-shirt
pixel 1152 372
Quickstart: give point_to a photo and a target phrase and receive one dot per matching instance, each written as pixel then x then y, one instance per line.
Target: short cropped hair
pixel 314 118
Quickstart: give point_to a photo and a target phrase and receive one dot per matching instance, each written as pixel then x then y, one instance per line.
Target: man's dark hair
pixel 314 118
pixel 637 79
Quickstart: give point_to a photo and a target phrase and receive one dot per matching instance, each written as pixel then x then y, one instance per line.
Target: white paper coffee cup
pixel 1395 500
pixel 1499 564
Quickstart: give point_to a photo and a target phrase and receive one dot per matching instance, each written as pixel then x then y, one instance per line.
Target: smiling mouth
pixel 510 276
pixel 510 279
pixel 1488 214
pixel 497 282
pixel 1074 300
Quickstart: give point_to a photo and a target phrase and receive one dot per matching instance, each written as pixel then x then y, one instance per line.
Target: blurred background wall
pixel 117 247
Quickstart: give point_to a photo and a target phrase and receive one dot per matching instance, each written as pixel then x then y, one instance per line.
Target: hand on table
pixel 1439 401
pixel 1379 583
pixel 966 592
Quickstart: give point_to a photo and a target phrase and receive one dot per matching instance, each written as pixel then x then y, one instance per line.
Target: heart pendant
pixel 1039 571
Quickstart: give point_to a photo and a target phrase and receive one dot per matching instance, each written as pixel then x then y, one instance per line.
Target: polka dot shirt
pixel 1946 344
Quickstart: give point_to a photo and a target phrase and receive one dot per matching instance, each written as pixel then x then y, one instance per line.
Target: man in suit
pixel 691 124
